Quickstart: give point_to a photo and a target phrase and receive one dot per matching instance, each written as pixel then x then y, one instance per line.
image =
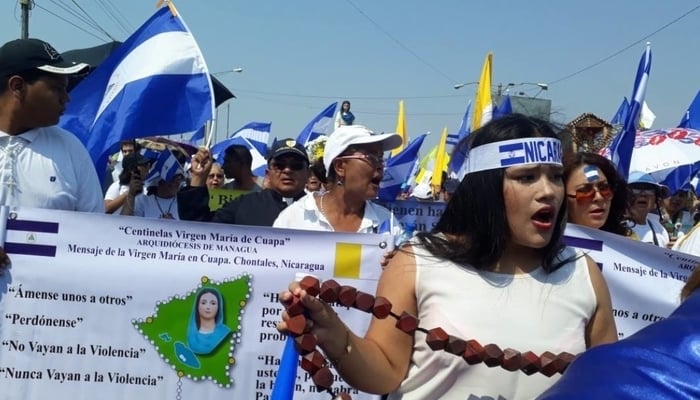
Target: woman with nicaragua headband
pixel 493 270
pixel 354 160
pixel 596 194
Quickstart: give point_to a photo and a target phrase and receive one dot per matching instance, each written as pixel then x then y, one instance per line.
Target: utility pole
pixel 26 6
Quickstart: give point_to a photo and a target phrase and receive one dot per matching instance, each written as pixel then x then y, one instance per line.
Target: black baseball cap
pixel 287 146
pixel 133 160
pixel 26 54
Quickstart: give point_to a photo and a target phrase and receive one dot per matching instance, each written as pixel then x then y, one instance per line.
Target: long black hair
pixel 473 228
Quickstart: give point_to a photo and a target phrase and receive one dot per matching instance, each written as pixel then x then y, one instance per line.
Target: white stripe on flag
pixel 158 50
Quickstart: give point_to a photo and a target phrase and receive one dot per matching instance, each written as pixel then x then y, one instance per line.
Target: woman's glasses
pixel 293 165
pixel 587 192
pixel 371 159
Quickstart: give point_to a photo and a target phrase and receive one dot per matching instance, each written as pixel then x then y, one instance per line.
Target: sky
pixel 299 56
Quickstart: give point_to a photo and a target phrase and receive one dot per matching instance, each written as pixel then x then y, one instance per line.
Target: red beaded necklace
pixel 471 351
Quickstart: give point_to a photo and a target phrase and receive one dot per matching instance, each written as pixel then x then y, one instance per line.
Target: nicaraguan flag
pixel 511 154
pixel 257 133
pixel 318 126
pixel 259 163
pixel 32 238
pixel 623 144
pixel 691 118
pixel 165 166
pixel 505 108
pixel 155 83
pixel 459 154
pixel 398 168
pixel 622 112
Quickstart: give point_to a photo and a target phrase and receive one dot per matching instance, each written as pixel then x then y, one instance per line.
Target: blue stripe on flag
pixel 30 249
pixel 510 147
pixel 582 243
pixel 32 226
pixel 511 161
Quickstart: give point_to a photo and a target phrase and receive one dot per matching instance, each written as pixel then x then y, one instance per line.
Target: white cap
pixel 348 135
pixel 422 191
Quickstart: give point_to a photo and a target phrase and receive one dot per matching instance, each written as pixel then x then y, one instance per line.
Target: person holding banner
pixel 596 193
pixel 354 160
pixel 44 166
pixel 493 269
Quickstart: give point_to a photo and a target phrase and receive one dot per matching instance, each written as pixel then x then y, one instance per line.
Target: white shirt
pixel 646 232
pixel 115 190
pixel 154 207
pixel 48 168
pixel 304 214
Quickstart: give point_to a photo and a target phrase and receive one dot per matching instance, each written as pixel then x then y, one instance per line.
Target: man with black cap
pixel 41 165
pixel 286 175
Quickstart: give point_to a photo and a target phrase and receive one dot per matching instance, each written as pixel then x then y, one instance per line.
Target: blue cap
pixel 640 177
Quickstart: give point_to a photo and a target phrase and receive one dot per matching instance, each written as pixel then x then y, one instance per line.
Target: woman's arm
pixel 377 363
pixel 601 327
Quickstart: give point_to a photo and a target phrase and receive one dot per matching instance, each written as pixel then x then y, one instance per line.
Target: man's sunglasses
pixel 587 192
pixel 293 165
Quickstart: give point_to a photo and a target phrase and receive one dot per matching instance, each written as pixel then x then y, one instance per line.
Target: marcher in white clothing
pixel 646 195
pixel 41 165
pixel 493 269
pixel 354 161
pixel 135 166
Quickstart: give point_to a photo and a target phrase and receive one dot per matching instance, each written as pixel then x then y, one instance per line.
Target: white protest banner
pixel 111 307
pixel 644 280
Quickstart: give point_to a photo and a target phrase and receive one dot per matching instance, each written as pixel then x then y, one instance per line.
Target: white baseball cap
pixel 349 135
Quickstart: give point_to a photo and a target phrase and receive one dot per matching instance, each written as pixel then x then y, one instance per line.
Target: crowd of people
pixel 494 267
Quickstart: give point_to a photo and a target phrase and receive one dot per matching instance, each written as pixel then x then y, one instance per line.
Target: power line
pixel 398 42
pixel 595 64
pixel 69 22
pixel 311 96
pixel 103 5
pixel 74 14
pixel 93 20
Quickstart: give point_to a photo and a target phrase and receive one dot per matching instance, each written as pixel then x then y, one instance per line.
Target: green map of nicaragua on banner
pixel 196 333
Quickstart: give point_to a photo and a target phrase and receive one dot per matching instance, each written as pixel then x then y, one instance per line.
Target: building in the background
pixel 530 106
pixel 589 133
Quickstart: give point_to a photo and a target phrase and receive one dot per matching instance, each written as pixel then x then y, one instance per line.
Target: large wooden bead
pixel 529 363
pixel 346 296
pixel 381 308
pixel 511 359
pixel 407 323
pixel 329 291
pixel 493 355
pixel 296 324
pixel 474 352
pixel 295 307
pixel 305 343
pixel 364 301
pixel 313 362
pixel 311 285
pixel 323 378
pixel 455 346
pixel 437 339
pixel 548 365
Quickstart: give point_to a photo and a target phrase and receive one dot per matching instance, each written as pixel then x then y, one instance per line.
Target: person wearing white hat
pixel 645 196
pixel 354 162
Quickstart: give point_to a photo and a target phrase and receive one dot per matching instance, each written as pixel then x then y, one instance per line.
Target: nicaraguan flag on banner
pixel 398 168
pixel 623 144
pixel 259 162
pixel 155 83
pixel 32 238
pixel 165 166
pixel 318 126
pixel 257 133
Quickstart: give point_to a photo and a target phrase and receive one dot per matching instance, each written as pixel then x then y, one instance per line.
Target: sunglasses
pixel 220 176
pixel 371 159
pixel 645 192
pixel 293 165
pixel 587 192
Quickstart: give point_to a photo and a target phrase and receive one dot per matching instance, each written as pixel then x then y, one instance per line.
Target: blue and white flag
pixel 197 136
pixel 257 133
pixel 623 144
pixel 318 126
pixel 165 167
pixel 505 108
pixel 398 168
pixel 622 112
pixel 457 158
pixel 259 163
pixel 691 118
pixel 155 83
